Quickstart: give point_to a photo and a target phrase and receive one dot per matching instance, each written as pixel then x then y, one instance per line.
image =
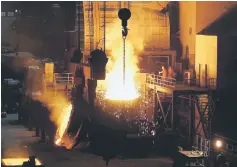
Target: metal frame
pixel 204 107
pixel 158 80
pixel 63 78
pixel 158 102
pixel 168 111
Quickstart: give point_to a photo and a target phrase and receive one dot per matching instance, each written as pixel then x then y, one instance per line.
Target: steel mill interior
pixel 117 76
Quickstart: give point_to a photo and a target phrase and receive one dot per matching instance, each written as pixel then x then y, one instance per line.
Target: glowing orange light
pixel 64 119
pixel 219 144
pixel 57 142
pixel 114 85
pixel 18 161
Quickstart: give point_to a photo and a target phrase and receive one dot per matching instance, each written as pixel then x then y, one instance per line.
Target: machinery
pixel 94 118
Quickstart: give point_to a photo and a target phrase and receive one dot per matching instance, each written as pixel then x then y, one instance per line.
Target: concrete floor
pixel 17 141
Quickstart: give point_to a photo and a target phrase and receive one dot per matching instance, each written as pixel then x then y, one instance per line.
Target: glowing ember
pixel 18 161
pixel 137 113
pixel 57 142
pixel 65 116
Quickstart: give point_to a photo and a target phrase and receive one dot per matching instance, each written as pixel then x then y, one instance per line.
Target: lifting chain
pixel 124 61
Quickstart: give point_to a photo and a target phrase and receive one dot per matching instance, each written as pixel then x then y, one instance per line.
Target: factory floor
pixel 17 141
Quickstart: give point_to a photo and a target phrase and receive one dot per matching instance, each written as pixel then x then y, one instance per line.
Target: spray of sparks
pixel 135 113
pixel 65 116
pixel 121 98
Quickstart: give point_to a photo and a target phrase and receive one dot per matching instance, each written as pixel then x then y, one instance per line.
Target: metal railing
pixel 205 145
pixel 202 144
pixel 160 81
pixel 211 83
pixel 191 82
pixel 63 78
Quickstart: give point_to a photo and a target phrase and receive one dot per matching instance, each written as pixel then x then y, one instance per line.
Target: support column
pixel 37 132
pixel 155 107
pixel 206 84
pixel 199 74
pixel 43 135
pixel 92 84
pixel 172 112
pixel 191 121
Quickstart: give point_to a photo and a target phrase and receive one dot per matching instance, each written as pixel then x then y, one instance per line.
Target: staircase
pixel 205 109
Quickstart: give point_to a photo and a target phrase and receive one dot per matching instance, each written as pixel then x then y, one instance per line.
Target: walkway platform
pixel 169 85
pixel 177 87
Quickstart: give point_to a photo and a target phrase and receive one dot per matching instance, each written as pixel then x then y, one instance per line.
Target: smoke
pixel 142 29
pixel 56 105
pixel 144 32
pixel 55 101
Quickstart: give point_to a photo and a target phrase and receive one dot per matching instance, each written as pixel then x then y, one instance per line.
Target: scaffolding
pixel 185 109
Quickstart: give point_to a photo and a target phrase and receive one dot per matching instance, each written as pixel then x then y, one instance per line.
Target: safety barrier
pixel 219 143
pixel 63 78
pixel 202 144
pixel 211 83
pixel 160 81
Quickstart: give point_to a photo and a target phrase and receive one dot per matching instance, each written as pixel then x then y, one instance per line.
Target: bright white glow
pixel 153 132
pixel 56 6
pixel 219 144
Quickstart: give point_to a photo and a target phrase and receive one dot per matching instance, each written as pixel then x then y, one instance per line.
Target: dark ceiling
pixel 225 25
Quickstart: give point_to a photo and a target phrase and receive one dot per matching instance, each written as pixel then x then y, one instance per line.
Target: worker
pixel 171 73
pixel 37 132
pixel 163 73
pixel 220 160
pixel 43 135
pixel 30 163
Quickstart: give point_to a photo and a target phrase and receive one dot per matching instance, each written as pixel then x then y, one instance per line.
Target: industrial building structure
pixel 201 52
pixel 187 105
pixel 100 17
pixel 208 42
pixel 204 35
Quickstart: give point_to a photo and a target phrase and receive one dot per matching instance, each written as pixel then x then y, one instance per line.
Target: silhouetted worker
pixel 43 135
pixel 163 72
pixel 109 150
pixel 170 72
pixel 41 120
pixel 30 163
pixel 37 132
pixel 220 160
